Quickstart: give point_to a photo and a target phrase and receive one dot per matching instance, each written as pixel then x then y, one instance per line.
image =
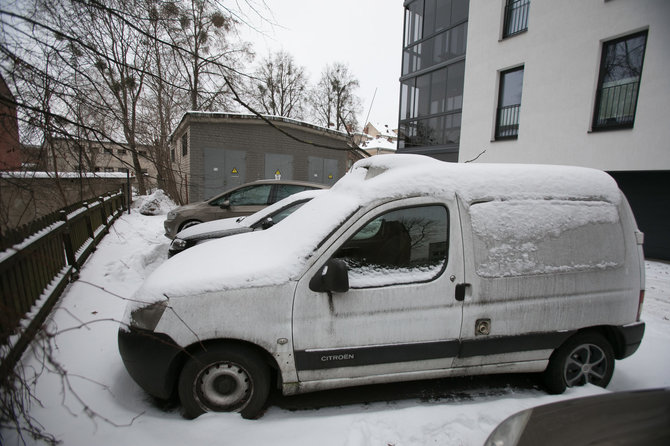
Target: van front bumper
pixel 631 337
pixel 153 360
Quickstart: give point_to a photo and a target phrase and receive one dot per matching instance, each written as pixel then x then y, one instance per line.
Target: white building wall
pixel 561 57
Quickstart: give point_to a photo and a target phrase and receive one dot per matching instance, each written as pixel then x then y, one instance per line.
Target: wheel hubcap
pixel 223 387
pixel 586 364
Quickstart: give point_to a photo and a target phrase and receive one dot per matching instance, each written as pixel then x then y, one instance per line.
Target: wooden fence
pixel 35 271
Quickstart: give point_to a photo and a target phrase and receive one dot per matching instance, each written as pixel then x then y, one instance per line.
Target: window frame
pixel 427 128
pixel 184 144
pixel 629 124
pixel 384 210
pixel 498 136
pixel 511 11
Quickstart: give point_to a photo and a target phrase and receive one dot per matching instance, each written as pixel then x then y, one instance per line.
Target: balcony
pixel 507 124
pixel 616 106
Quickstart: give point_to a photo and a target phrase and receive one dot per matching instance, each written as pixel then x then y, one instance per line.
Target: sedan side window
pixel 257 195
pixel 400 246
pixel 285 190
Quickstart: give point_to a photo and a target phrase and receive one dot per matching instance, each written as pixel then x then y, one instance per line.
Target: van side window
pixel 529 237
pixel 400 246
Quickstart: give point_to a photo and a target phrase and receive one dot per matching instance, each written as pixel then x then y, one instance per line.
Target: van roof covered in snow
pixel 407 175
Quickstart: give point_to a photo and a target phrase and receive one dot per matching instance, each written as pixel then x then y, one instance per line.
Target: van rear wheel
pixel 584 358
pixel 224 378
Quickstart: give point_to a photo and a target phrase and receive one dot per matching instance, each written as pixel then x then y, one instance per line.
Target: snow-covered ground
pixel 98 403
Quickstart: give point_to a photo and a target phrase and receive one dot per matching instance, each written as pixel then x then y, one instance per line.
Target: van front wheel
pixel 584 358
pixel 224 378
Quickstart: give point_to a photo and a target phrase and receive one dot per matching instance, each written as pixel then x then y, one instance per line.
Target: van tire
pixel 224 378
pixel 584 358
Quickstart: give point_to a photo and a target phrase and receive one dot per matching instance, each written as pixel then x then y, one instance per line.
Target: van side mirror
pixel 334 276
pixel 225 204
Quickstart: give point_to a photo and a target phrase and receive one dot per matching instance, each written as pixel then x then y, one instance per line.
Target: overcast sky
pixel 364 34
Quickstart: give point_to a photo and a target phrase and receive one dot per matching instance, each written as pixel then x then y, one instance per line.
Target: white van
pixel 407 268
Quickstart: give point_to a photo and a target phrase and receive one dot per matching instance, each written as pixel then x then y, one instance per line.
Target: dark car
pixel 237 202
pixel 639 417
pixel 226 227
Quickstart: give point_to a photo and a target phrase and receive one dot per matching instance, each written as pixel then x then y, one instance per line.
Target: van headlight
pixel 148 317
pixel 172 215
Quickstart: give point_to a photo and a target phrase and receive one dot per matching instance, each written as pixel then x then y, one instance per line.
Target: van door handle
pixel 460 291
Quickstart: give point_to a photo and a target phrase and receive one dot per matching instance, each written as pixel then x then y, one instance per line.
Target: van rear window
pixel 529 237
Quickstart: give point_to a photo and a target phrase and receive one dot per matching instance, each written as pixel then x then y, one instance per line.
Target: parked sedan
pixel 260 220
pixel 237 202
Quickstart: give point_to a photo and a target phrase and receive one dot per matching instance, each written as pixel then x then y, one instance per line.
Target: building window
pixel 509 103
pixel 516 17
pixel 445 46
pixel 121 152
pixel 433 68
pixel 619 82
pixel 172 155
pixel 184 144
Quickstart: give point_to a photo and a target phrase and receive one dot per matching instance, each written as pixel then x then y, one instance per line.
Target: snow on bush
pixel 155 204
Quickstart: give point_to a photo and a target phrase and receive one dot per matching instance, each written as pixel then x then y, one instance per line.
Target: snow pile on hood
pixel 278 255
pixel 260 258
pixel 155 204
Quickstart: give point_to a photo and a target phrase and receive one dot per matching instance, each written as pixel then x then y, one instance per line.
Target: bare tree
pixel 205 55
pixel 333 99
pixel 115 64
pixel 163 102
pixel 279 86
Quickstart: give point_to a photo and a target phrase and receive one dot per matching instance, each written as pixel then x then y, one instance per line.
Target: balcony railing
pixel 516 17
pixel 507 124
pixel 616 106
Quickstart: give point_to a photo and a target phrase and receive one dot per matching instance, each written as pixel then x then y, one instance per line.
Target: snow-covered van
pixel 407 268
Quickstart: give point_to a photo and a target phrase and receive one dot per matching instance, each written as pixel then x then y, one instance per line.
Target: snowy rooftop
pixel 379 144
pixel 383 129
pixel 252 117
